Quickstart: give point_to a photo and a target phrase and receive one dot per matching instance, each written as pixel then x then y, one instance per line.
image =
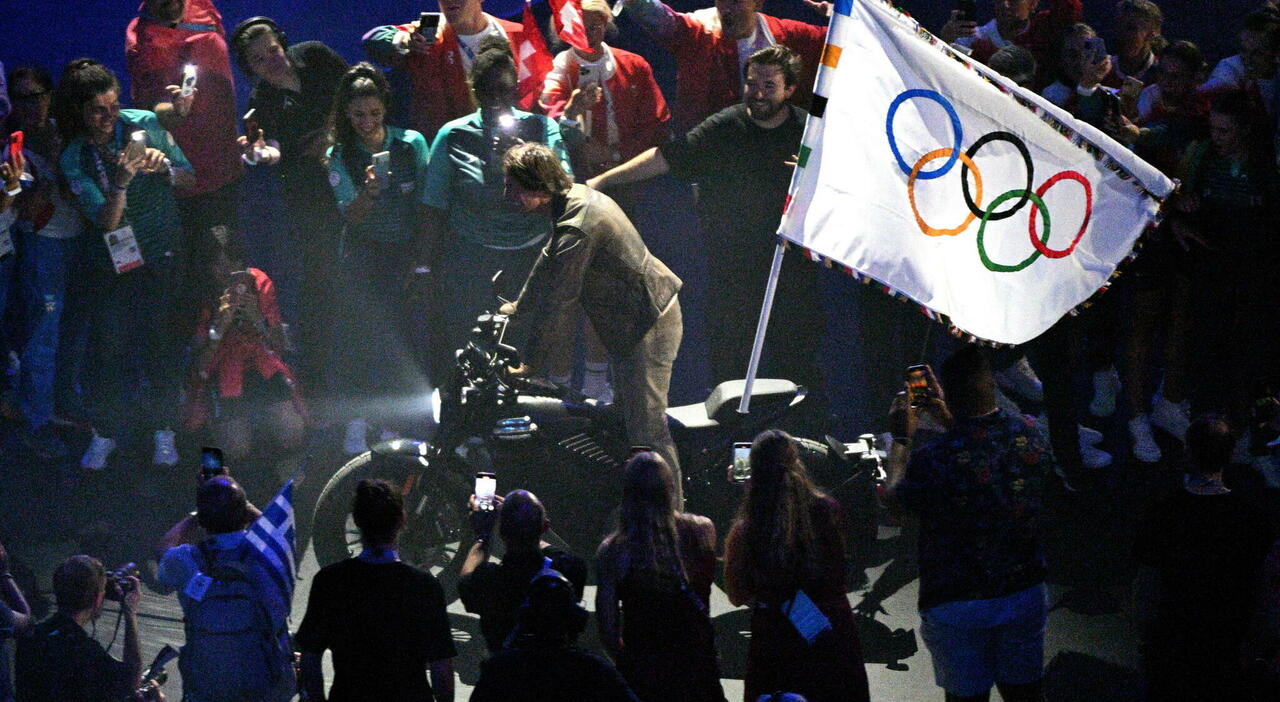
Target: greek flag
pixel 930 174
pixel 272 537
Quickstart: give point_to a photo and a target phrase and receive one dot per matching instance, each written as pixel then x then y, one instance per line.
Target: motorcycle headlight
pixel 435 406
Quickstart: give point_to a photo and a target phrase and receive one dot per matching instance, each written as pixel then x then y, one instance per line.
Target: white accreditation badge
pixel 123 245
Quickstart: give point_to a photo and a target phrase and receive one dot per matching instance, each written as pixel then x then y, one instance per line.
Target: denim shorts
pixel 975 643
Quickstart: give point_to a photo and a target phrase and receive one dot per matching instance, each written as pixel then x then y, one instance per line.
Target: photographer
pixel 234 616
pixel 494 591
pixel 60 661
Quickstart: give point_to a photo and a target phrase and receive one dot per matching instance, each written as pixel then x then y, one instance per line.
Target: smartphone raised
pixel 211 462
pixel 16 141
pixel 137 145
pixel 188 80
pixel 741 471
pixel 251 130
pixel 587 76
pixel 918 384
pixel 967 10
pixel 485 489
pixel 428 24
pixel 382 166
pixel 1095 49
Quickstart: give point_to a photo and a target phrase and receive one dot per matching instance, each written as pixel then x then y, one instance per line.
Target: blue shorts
pixel 975 643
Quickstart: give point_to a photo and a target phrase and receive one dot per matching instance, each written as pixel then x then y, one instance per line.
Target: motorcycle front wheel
pixel 435 512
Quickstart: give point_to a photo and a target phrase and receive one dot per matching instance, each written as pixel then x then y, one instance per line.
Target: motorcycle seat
pixel 721 406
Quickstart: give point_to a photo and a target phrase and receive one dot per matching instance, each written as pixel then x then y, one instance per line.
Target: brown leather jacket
pixel 594 258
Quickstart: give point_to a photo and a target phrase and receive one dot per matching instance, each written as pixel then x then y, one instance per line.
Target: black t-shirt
pixel 538 673
pixel 742 176
pixel 286 116
pixel 383 622
pixel 495 591
pixel 59 662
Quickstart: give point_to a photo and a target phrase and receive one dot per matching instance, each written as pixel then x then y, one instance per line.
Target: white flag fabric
pixel 927 172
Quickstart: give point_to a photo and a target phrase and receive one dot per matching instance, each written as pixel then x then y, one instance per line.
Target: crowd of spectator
pixel 141 303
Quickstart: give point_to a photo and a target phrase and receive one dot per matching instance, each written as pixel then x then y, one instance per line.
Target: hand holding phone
pixel 188 80
pixel 740 471
pixel 919 389
pixel 211 463
pixel 428 24
pixel 136 147
pixel 485 489
pixel 382 166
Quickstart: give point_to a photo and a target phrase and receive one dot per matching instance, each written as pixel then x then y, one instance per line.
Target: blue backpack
pixel 233 651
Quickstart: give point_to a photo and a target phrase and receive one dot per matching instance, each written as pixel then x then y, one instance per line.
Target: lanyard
pixel 99 166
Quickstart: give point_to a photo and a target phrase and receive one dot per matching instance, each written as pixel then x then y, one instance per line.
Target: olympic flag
pixel 929 173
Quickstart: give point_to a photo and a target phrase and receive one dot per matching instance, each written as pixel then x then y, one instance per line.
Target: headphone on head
pixel 238 40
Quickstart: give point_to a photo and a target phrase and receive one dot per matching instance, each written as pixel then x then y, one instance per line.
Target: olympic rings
pixel 982 228
pixel 1035 208
pixel 911 190
pixel 955 129
pixel 976 208
pixel 973 201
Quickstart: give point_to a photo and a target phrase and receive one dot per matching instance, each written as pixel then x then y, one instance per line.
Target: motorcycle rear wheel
pixel 435 519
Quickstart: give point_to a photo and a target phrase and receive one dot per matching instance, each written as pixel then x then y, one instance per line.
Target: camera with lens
pixel 119 584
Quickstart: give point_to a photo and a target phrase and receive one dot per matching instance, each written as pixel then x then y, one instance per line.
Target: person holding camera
pixel 61 661
pixel 977 493
pixel 495 590
pixel 383 620
pixel 234 614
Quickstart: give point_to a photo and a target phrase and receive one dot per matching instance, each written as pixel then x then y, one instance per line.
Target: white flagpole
pixel 762 326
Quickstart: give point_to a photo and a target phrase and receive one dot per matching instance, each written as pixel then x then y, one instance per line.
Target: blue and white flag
pixel 273 539
pixel 929 173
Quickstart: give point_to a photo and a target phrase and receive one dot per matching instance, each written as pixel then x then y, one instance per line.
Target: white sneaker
pixel 95 455
pixel 1145 448
pixel 1106 384
pixel 1021 380
pixel 1094 458
pixel 1089 436
pixel 166 453
pixel 356 441
pixel 1172 417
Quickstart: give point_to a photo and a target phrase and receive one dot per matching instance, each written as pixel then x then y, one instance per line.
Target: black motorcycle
pixel 569 450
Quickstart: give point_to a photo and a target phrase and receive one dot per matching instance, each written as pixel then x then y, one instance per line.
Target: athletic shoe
pixel 1094 458
pixel 1145 448
pixel 1172 417
pixel 356 441
pixel 1106 384
pixel 95 456
pixel 166 453
pixel 1021 380
pixel 1089 436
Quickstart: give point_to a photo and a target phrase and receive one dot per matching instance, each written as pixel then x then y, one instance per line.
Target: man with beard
pixel 739 157
pixel 711 48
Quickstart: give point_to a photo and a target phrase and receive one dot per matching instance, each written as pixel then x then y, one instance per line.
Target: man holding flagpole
pixel 236 588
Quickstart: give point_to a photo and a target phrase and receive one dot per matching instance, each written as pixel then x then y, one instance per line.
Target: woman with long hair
pixel 655 573
pixel 377 172
pixel 784 556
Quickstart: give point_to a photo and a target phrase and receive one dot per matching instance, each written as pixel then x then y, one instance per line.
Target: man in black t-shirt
pixel 740 158
pixel 60 662
pixel 495 591
pixel 383 619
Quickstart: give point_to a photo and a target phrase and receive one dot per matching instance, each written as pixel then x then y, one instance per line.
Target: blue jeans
pixel 45 266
